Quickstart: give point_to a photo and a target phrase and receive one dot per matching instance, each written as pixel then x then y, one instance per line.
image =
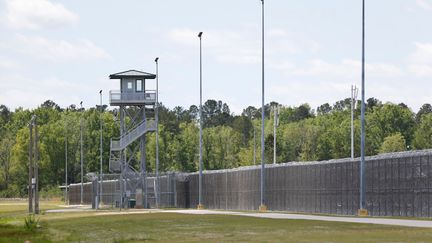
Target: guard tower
pixel 137 118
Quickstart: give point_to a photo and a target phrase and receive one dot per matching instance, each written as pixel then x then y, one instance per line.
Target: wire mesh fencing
pixel 111 193
pixel 397 184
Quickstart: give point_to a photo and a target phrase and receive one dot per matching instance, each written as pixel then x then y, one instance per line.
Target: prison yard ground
pixel 148 225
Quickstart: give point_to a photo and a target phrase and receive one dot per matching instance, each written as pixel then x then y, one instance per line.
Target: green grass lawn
pixel 172 227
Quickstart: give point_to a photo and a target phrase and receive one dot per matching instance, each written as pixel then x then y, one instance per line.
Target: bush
pixel 50 192
pixel 31 223
pixel 12 192
pixel 393 143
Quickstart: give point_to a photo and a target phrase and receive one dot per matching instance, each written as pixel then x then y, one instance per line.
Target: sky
pixel 65 50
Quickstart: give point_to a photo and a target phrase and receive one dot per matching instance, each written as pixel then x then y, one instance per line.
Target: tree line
pixel 229 140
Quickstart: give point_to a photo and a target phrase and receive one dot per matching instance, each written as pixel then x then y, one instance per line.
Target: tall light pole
pixel 157 132
pixel 81 154
pixel 101 154
pixel 354 93
pixel 200 203
pixel 362 210
pixel 262 207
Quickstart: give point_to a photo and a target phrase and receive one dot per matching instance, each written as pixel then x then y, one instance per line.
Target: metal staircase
pixel 148 125
pixel 115 161
pixel 118 144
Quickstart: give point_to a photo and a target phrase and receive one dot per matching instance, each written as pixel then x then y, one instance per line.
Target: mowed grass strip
pixel 172 227
pixel 11 208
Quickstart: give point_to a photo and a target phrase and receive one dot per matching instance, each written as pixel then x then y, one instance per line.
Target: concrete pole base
pixel 363 212
pixel 200 207
pixel 262 208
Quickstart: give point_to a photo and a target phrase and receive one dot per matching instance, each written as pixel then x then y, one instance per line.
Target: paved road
pixel 70 208
pixel 270 215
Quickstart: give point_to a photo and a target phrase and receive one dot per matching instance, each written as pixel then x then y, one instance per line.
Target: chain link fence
pixel 397 184
pixel 110 195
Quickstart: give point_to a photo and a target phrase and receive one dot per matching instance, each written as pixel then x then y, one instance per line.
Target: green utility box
pixel 132 203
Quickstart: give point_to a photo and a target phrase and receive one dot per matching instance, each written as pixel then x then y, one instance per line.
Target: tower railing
pixel 114 161
pixel 118 97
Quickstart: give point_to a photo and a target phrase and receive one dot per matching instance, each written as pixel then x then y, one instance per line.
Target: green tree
pixel 220 148
pixel 6 144
pixel 424 110
pixel 387 120
pixel 324 109
pixel 423 134
pixel 393 143
pixel 185 148
pixel 244 126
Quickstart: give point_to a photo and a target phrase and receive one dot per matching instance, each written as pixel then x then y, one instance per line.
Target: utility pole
pixel 33 187
pixel 30 182
pixel 101 151
pixel 36 167
pixel 254 151
pixel 66 165
pixel 354 93
pixel 81 154
pixel 275 125
pixel 254 142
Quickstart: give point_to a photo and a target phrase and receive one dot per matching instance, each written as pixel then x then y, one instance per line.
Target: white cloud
pixel 6 63
pixel 347 68
pixel 316 93
pixel 225 46
pixel 59 50
pixel 420 61
pixel 421 70
pixel 244 46
pixel 422 54
pixel 18 90
pixel 37 14
pixel 424 4
pixel 21 91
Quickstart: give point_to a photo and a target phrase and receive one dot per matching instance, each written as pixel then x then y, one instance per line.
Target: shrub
pixel 31 223
pixel 50 192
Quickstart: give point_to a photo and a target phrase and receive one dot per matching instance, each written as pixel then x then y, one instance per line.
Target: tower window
pixel 139 85
pixel 129 85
